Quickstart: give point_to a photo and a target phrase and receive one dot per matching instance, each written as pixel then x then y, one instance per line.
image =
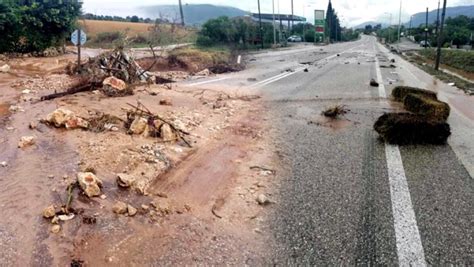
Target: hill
pixel 420 18
pixel 193 14
pixel 373 23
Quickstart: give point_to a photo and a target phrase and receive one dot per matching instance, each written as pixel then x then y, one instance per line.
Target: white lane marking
pixel 409 247
pixel 209 81
pixel 382 92
pixel 286 74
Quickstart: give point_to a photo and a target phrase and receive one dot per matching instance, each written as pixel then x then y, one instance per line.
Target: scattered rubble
pixel 26 141
pixel 120 207
pixel 89 183
pixel 125 180
pixel 374 83
pixel 334 112
pixel 62 117
pixel 5 68
pixel 262 199
pixel 49 212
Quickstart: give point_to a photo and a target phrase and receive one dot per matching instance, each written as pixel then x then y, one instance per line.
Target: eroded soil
pixel 198 204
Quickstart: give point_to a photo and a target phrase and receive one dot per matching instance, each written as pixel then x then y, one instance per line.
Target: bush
pixel 33 27
pixel 108 37
pixel 204 41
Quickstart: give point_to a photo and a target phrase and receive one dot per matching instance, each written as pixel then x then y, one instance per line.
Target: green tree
pixel 29 26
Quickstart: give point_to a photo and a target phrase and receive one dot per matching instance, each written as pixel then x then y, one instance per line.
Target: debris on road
pixel 89 183
pixel 334 112
pixel 406 128
pixel 120 207
pixel 426 126
pixel 271 171
pixel 305 70
pixel 166 102
pixel 374 83
pixel 62 117
pixel 3 164
pixel 112 86
pixel 49 212
pixel 251 79
pixel 26 141
pixel 262 199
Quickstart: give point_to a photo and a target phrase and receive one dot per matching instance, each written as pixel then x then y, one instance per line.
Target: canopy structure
pixel 283 17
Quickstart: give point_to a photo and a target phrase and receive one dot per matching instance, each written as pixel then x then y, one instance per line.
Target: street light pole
pixel 437 21
pixel 440 37
pixel 426 30
pixel 260 23
pixel 399 22
pixel 389 27
pixel 274 27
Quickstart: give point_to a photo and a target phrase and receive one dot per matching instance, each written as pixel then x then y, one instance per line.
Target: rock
pixel 145 207
pixel 120 207
pixel 76 122
pixel 60 116
pixel 50 176
pixel 204 72
pixel 305 70
pixel 166 102
pixel 49 212
pixel 125 180
pixel 26 91
pixel 138 125
pixel 33 125
pixel 26 141
pixel 5 68
pixel 161 206
pixel 374 83
pixel 262 199
pixel 166 133
pixel 55 220
pixel 3 164
pixel 115 83
pixel 66 217
pixel 89 183
pixel 55 229
pixel 131 210
pixel 15 108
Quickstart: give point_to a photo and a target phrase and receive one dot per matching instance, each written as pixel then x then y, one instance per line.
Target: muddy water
pixel 25 189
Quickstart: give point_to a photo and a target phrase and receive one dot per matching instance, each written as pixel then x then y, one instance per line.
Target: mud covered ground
pixel 198 204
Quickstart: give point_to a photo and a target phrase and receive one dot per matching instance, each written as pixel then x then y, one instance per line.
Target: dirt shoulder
pixel 192 205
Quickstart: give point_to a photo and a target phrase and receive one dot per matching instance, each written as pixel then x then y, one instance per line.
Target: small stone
pixel 26 141
pixel 262 199
pixel 65 177
pixel 167 133
pixel 50 176
pixel 5 68
pixel 26 91
pixel 125 180
pixel 103 196
pixel 55 220
pixel 120 207
pixel 55 229
pixel 115 83
pixel 89 183
pixel 131 210
pixel 138 125
pixel 3 164
pixel 49 212
pixel 33 125
pixel 66 217
pixel 145 207
pixel 166 102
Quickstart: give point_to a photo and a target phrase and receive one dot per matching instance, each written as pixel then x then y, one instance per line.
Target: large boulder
pixel 166 133
pixel 62 117
pixel 139 125
pixel 115 83
pixel 89 183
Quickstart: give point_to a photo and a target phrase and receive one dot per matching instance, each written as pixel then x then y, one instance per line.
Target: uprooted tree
pixel 33 26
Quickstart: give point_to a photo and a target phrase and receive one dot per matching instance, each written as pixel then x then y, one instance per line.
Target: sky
pixel 351 12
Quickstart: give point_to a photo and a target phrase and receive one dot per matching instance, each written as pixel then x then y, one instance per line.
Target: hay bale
pixel 400 92
pixel 407 128
pixel 429 107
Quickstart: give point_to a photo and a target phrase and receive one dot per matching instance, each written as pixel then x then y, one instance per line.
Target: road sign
pixel 78 37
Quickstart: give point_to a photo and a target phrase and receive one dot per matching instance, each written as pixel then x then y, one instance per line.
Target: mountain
pixel 193 14
pixel 373 23
pixel 420 18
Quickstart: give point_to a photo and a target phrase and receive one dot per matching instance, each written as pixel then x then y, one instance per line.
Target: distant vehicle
pixel 425 44
pixel 294 38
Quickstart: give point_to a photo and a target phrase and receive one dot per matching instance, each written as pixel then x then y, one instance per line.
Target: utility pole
pixel 259 22
pixel 426 30
pixel 399 21
pixel 440 37
pixel 181 12
pixel 274 27
pixel 292 21
pixel 437 21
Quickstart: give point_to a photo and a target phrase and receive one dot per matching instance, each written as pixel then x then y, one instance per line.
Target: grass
pixel 138 34
pixel 459 59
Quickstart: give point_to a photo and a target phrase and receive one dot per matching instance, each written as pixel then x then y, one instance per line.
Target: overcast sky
pixel 352 12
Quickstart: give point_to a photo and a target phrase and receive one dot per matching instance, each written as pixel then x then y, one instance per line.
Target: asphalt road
pixel 347 198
